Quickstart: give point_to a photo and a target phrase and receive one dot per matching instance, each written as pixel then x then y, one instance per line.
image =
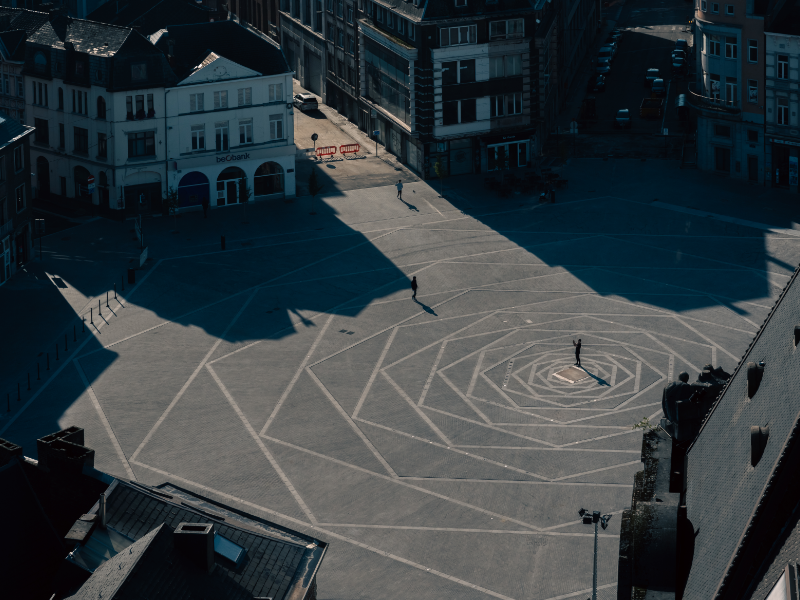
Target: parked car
pixel 610 41
pixel 305 102
pixel 603 66
pixel 650 76
pixel 679 54
pixel 597 84
pixel 679 66
pixel 623 119
pixel 616 34
pixel 658 89
pixel 607 52
pixel 682 45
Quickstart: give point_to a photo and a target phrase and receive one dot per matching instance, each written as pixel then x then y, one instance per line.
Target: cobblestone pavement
pixel 433 442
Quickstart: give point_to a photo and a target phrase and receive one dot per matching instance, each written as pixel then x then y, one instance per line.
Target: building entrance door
pixel 231 192
pixel 752 167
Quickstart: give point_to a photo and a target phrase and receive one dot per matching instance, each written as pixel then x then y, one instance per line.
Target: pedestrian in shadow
pixel 577 352
pixel 205 204
pixel 399 186
pixel 414 288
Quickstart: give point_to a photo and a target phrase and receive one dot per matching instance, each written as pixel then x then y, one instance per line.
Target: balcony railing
pixel 702 102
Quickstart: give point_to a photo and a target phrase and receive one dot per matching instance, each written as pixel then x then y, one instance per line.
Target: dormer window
pixel 40 62
pixel 138 72
pixel 80 68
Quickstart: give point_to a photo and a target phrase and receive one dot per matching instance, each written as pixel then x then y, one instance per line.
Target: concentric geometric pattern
pixel 443 447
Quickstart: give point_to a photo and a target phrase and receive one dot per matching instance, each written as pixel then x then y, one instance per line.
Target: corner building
pixel 469 86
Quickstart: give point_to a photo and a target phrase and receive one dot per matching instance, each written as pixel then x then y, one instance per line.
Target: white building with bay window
pixel 230 127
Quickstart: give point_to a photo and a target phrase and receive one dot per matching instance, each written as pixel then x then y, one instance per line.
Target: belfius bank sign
pixel 233 157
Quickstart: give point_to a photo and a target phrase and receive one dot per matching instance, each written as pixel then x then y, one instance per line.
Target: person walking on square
pixel 577 352
pixel 414 288
pixel 399 186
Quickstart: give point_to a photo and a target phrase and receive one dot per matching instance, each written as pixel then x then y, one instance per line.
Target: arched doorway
pixel 228 185
pixel 268 180
pixel 43 177
pixel 192 188
pixel 81 177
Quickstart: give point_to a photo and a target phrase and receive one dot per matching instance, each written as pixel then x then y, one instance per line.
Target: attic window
pixel 138 72
pixel 40 61
pixel 755 373
pixel 758 442
pixel 227 549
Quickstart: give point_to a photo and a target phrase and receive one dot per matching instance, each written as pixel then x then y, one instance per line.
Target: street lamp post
pixel 589 518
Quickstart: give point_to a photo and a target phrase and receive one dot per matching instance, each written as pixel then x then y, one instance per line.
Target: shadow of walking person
pixel 426 308
pixel 595 377
pixel 410 206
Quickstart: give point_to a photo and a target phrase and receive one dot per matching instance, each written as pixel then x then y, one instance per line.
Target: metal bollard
pixel 107 306
pixel 222 241
pixel 99 308
pixel 115 291
pixel 29 381
pixel 91 318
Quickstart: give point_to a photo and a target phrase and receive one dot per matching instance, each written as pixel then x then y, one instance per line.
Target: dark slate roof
pixel 86 36
pixel 31 548
pixel 11 131
pixel 148 16
pixel 447 9
pixel 785 550
pixel 238 42
pixel 278 562
pixel 737 510
pixel 20 18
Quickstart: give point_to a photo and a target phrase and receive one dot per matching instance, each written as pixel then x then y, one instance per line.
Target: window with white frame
pixel 275 92
pixel 731 47
pixel 503 30
pixel 196 102
pixel 198 137
pixel 246 131
pixel 245 96
pixel 505 66
pixel 783 66
pixel 731 91
pixel 459 111
pixel 712 45
pixel 714 82
pixel 714 7
pixel 752 91
pixel 506 104
pixel 752 51
pixel 458 36
pixel 783 111
pixel 276 127
pixel 221 136
pixel 221 99
pixel 729 10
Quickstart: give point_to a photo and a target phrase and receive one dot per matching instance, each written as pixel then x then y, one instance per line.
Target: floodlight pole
pixel 594 574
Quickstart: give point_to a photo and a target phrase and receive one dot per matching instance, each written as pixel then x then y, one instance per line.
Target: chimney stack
pixel 196 542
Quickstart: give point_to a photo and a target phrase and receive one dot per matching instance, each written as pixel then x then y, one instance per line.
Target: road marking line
pixel 101 413
pixel 261 445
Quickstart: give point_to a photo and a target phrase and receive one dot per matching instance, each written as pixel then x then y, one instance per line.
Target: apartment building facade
pixel 782 143
pixel 229 117
pixel 729 93
pixel 15 26
pixel 95 94
pixel 16 232
pixel 302 27
pixel 453 88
